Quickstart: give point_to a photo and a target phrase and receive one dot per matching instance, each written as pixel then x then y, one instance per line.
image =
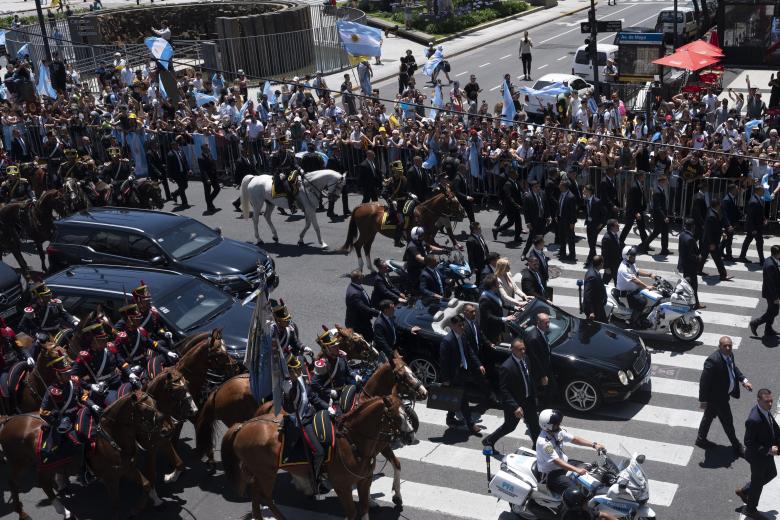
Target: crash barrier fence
pixel 484 177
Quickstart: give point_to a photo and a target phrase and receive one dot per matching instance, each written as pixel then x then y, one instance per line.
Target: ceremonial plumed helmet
pixel 142 292
pixel 130 311
pixel 60 364
pixel 40 290
pixel 12 169
pixel 293 362
pixel 397 167
pixel 71 153
pixel 280 310
pixel 114 152
pixel 328 337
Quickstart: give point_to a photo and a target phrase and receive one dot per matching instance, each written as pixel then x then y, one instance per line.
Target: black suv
pixel 11 294
pixel 144 238
pixel 187 304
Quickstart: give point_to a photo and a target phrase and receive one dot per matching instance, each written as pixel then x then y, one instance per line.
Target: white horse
pixel 257 189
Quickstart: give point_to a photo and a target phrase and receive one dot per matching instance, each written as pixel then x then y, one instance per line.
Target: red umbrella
pixel 686 60
pixel 702 47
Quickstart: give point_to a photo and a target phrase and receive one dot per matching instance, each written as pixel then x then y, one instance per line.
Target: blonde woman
pixel 511 294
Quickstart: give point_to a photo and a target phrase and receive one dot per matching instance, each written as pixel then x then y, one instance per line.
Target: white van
pixel 581 65
pixel 534 106
pixel 687 26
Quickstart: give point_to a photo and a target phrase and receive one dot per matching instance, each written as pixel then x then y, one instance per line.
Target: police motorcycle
pixel 668 307
pixel 618 489
pixel 453 268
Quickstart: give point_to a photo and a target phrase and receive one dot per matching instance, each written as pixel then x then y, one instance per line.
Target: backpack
pixel 446 66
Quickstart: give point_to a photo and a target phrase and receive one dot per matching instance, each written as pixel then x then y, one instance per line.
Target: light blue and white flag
pixel 161 50
pixel 203 99
pixel 550 90
pixel 749 127
pixel 23 51
pixel 2 37
pixel 359 39
pixel 269 94
pixel 508 112
pixel 163 93
pixel 433 61
pixel 135 142
pixel 437 102
pixel 44 87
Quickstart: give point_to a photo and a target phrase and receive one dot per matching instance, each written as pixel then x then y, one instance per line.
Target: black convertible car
pixel 594 362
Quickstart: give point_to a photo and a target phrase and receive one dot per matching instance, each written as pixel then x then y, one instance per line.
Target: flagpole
pixel 45 37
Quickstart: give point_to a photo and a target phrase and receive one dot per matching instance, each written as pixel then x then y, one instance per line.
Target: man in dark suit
pixel 754 225
pixel 636 203
pixel 154 161
pixel 699 214
pixel 511 199
pixel 359 311
pixel 431 282
pixel 730 215
pixel 477 250
pixel 532 282
pixel 535 212
pixel 491 314
pixel 538 252
pixel 538 350
pixel 710 240
pixel 490 266
pixel 762 442
pixel 418 181
pixel 383 287
pixel 595 219
pixel 720 380
pixel 660 216
pixel 566 210
pixel 483 348
pixel 689 258
pixel 20 148
pixel 369 178
pixel 608 192
pixel 385 335
pixel 518 395
pixel 460 188
pixel 208 176
pixel 455 357
pixel 610 251
pixel 178 171
pixel 770 291
pixel 594 294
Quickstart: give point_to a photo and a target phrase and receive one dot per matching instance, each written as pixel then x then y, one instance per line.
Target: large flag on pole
pixel 44 87
pixel 160 49
pixel 203 99
pixel 508 112
pixel 23 51
pixel 359 39
pixel 438 101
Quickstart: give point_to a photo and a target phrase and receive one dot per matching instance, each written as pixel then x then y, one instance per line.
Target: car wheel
pixel 424 370
pixel 687 331
pixel 581 395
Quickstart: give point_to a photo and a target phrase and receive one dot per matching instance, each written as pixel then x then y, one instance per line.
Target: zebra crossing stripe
pixel 631 238
pixel 643 260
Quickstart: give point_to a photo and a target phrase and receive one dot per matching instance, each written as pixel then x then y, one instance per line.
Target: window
pixel 578 84
pixel 110 242
pixel 71 236
pixel 688 17
pixel 582 57
pixel 141 248
pixel 188 239
pixel 668 17
pixel 193 304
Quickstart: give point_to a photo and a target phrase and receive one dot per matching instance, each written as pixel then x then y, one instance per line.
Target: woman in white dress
pixel 511 294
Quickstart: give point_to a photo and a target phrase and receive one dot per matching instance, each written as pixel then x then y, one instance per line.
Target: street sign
pixel 602 26
pixel 640 38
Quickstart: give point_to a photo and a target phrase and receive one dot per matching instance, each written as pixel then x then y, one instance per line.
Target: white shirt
pixel 163 33
pixel 626 272
pixel 549 447
pixel 253 129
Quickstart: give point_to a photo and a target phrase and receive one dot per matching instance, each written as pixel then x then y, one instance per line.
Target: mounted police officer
pixel 115 172
pixel 15 188
pixel 285 332
pixel 311 161
pixel 285 172
pixel 73 168
pixel 10 351
pixel 396 196
pixel 152 322
pixel 47 314
pixel 331 372
pixel 300 416
pixel 135 346
pixel 101 366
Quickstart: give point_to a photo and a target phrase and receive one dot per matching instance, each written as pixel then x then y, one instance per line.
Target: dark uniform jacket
pixel 594 295
pixel 336 377
pixel 49 318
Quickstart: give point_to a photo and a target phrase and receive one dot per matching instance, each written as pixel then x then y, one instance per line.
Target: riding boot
pixel 291 202
pixel 399 234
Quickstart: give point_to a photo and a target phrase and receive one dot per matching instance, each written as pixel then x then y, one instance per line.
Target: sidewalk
pixel 394 47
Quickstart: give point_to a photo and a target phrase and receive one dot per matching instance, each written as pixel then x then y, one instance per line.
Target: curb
pixel 380 79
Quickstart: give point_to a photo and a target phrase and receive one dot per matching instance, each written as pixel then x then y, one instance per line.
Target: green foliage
pixel 467 15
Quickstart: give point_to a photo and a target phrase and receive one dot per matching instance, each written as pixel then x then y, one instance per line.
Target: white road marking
pixel 562 58
pixel 495 88
pixel 665 385
pixel 543 66
pixel 484 65
pixel 461 73
pixel 504 57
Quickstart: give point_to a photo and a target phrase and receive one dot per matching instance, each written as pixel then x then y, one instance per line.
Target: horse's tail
pixel 230 462
pixel 204 426
pixel 351 234
pixel 245 195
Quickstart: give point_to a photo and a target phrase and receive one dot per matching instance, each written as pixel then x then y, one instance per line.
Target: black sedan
pixel 594 362
pixel 187 304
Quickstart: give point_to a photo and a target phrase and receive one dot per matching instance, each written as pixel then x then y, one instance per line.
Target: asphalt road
pixel 444 474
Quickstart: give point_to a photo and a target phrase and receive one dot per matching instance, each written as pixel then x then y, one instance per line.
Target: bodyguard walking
pixel 208 176
pixel 770 290
pixel 455 357
pixel 762 438
pixel 594 296
pixel 720 380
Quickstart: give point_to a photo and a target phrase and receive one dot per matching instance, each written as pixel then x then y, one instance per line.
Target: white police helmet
pixel 549 419
pixel 417 232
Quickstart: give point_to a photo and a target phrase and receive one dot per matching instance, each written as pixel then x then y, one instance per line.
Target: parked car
pixel 187 304
pixel 146 238
pixel 12 293
pixel 581 64
pixel 595 363
pixel 632 29
pixel 687 25
pixel 534 105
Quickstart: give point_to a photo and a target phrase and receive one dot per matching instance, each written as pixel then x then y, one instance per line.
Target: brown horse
pixel 38 379
pixel 36 174
pixel 233 402
pixel 75 197
pixel 202 353
pixel 149 194
pixel 129 421
pixel 367 219
pixel 36 221
pixel 10 241
pixel 250 455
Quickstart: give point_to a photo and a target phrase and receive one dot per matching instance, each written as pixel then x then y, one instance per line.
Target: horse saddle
pixel 156 364
pixel 348 398
pixel 54 449
pixel 12 382
pixel 282 187
pixel 407 211
pixel 295 443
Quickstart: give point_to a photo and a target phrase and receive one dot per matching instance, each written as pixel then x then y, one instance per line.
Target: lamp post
pixel 594 52
pixel 42 23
